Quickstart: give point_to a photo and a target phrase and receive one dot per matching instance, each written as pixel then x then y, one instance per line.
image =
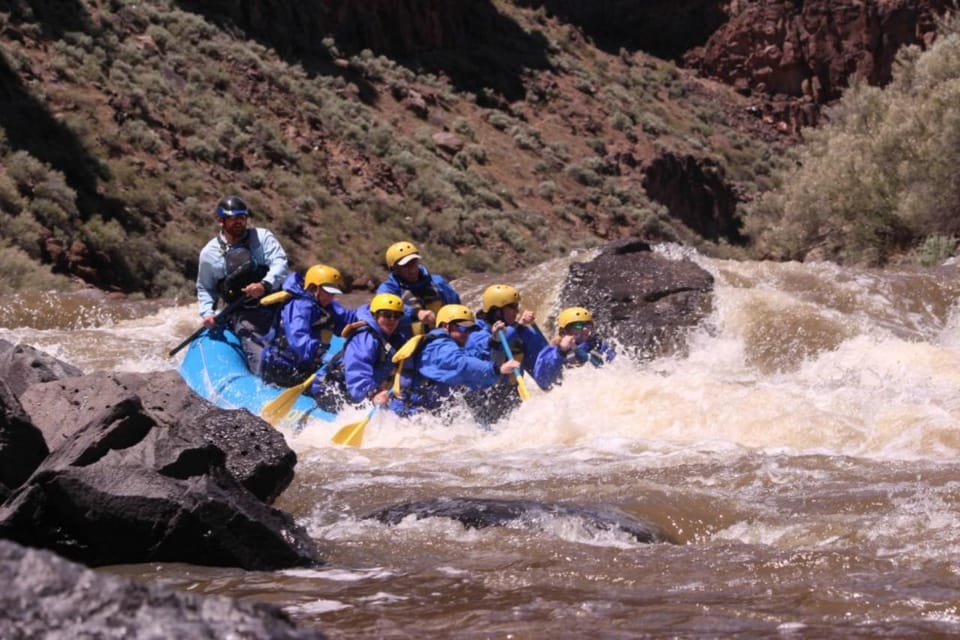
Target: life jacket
pixel 241 267
pixel 325 323
pixel 420 391
pixel 281 365
pixel 336 372
pixel 429 298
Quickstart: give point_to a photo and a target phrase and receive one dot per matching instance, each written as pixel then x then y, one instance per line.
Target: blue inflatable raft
pixel 214 366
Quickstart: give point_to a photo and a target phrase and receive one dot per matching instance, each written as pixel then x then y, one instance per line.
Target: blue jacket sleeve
pixel 359 361
pixel 533 344
pixel 447 292
pixel 479 345
pixel 342 316
pixel 298 316
pixel 444 361
pixel 210 263
pixel 274 257
pixel 548 367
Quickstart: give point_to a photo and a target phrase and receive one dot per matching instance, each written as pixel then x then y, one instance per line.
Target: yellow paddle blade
pixel 396 383
pixel 522 388
pixel 278 408
pixel 408 349
pixel 276 297
pixel 352 434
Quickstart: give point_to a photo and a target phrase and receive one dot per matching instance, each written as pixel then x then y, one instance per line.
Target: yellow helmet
pixel 325 277
pixel 402 253
pixel 386 302
pixel 573 314
pixel 454 313
pixel 499 295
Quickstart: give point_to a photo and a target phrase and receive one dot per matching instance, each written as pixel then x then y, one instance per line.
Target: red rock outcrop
pixel 799 55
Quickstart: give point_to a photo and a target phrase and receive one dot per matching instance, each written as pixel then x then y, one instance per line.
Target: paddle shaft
pixel 352 434
pixel 506 349
pixel 278 408
pixel 220 317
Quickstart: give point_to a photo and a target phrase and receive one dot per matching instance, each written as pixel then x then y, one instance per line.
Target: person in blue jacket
pixel 575 346
pixel 305 326
pixel 423 292
pixel 368 366
pixel 500 312
pixel 443 364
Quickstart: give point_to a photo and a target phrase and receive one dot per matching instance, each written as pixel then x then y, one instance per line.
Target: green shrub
pixel 21 272
pixel 880 176
pixel 936 249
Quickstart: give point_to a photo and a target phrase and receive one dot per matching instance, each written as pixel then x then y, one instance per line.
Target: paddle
pixel 407 350
pixel 219 318
pixel 352 434
pixel 277 409
pixel 521 383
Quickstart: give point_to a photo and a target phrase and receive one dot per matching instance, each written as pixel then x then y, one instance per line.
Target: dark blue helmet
pixel 232 206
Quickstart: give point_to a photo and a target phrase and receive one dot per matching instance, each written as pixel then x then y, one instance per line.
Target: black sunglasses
pixel 390 315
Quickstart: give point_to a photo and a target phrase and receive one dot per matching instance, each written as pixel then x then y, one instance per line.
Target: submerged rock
pixel 479 513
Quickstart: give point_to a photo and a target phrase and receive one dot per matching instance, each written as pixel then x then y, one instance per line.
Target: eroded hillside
pixel 493 134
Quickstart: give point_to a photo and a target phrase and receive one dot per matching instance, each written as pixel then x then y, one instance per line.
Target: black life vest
pixel 241 267
pixel 429 298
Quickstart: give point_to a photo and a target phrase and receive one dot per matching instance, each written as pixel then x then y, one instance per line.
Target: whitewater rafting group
pixel 410 349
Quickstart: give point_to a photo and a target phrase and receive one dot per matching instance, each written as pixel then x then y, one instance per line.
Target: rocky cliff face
pixel 800 55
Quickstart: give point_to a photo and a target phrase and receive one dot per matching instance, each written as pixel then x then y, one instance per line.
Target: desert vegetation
pixel 878 182
pixel 127 121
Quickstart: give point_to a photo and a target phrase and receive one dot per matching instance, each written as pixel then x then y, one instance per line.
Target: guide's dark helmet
pixel 232 206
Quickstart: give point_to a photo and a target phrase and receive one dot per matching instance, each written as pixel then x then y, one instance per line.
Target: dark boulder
pixel 22 365
pixel 45 596
pixel 644 300
pixel 479 513
pixel 256 453
pixel 124 489
pixel 22 447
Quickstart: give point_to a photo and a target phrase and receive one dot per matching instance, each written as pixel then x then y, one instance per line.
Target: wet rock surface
pixel 45 596
pixel 479 513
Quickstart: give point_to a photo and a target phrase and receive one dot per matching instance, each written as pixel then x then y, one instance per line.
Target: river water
pixel 803 454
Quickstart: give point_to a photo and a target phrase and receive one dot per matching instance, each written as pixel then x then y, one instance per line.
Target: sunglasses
pixel 389 315
pixel 463 329
pixel 579 326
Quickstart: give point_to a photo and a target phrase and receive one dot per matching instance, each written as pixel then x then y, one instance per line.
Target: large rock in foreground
pixel 44 596
pixel 22 447
pixel 644 300
pixel 256 453
pixel 21 365
pixel 124 489
pixel 141 469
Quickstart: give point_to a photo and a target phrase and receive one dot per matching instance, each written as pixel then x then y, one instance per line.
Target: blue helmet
pixel 232 206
